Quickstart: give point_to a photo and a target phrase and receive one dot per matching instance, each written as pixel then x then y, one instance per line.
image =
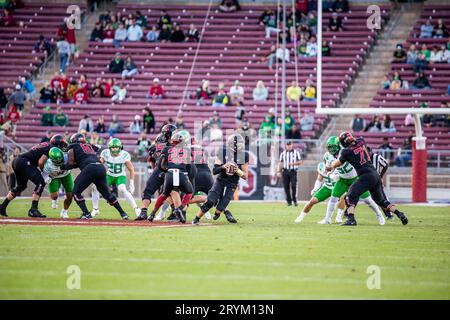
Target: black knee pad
pixel 111 199
pixel 206 206
pixel 349 202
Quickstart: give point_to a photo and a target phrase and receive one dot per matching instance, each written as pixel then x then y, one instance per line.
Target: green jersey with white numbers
pixel 345 171
pixel 327 181
pixel 116 165
pixel 53 170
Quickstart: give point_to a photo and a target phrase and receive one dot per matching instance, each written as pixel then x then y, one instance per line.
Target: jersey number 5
pixel 363 154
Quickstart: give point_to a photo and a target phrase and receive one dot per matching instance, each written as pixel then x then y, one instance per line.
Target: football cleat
pixel 159 216
pixel 196 221
pixel 300 217
pixel 402 218
pixel 216 216
pixel 324 221
pixel 182 215
pixel 54 204
pixel 137 211
pixel 173 217
pixel 349 223
pixel 35 213
pixel 86 216
pixel 208 215
pixel 64 214
pixel 124 217
pixel 3 211
pixel 95 212
pixel 142 216
pixel 381 220
pixel 151 217
pixel 229 217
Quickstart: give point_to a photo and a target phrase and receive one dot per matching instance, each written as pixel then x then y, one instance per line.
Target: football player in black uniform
pixel 355 152
pixel 175 160
pixel 230 165
pixel 83 155
pixel 28 166
pixel 156 180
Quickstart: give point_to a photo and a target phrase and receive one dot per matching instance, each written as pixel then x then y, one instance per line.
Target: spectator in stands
pixel 421 63
pixel 302 47
pixel 30 90
pixel 294 92
pixel 17 98
pixel 192 35
pixel 358 123
pixel 149 120
pixel 237 93
pixel 134 32
pixel 71 88
pixel 327 6
pixel 267 128
pixel 47 94
pixel 271 24
pixel 294 133
pixel 120 93
pixel 177 35
pixel 43 45
pixel 164 34
pixel 120 35
pixel 404 153
pixel 446 55
pixel 386 150
pixel 64 53
pixel 60 119
pixel 335 23
pixel 311 47
pixel 399 54
pixel 142 145
pixel 326 50
pixel 307 121
pixel 108 34
pixel 437 55
pixel 229 6
pixel 426 30
pixel 48 135
pixel 97 33
pixel 115 126
pixel 83 83
pixel 100 125
pixel 440 30
pixel 222 98
pixel 409 120
pixel 13 115
pixel 442 120
pixel 3 101
pixel 116 65
pixel 283 54
pixel 388 125
pixel 94 138
pixel 114 23
pixel 156 90
pixel 153 34
pixel 129 68
pixel 426 52
pixel 105 17
pixel 136 126
pixel 205 130
pixel 428 121
pixel 289 120
pixel 203 93
pixel 263 16
pixel 179 121
pixel 374 125
pixel 7 19
pixel 81 95
pixel 421 82
pixel 386 83
pixel 270 58
pixel 97 89
pixel 309 93
pixel 260 93
pixel 108 86
pixel 215 120
pixel 340 6
pixel 86 124
pixel 412 55
pixel 141 20
pixel 396 83
pixel 165 19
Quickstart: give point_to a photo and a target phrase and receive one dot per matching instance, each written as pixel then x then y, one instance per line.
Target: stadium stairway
pixel 378 64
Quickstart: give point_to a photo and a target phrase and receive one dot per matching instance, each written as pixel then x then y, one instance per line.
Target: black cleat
pixel 349 223
pixel 196 221
pixel 3 211
pixel 35 213
pixel 182 215
pixel 229 217
pixel 295 204
pixel 388 214
pixel 142 216
pixel 289 204
pixel 402 218
pixel 172 217
pixel 345 214
pixel 151 217
pixel 86 216
pixel 216 216
pixel 124 217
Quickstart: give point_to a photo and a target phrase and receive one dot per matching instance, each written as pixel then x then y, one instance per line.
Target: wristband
pixel 239 172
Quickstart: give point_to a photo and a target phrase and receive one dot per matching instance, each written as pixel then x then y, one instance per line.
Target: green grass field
pixel 264 256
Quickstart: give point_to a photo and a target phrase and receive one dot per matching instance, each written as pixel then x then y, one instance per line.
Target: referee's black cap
pixel 288 143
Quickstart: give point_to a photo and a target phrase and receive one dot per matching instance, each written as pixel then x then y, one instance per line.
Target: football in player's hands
pixel 230 168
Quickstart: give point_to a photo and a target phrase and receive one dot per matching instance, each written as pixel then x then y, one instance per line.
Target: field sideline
pixel 264 256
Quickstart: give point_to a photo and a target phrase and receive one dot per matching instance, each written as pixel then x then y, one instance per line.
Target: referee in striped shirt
pixel 290 160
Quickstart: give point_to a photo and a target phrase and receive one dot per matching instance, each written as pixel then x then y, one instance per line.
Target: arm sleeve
pixel 217 169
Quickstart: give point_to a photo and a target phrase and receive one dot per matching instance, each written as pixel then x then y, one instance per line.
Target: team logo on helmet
pixel 59 141
pixel 167 131
pixel 56 155
pixel 115 146
pixel 346 139
pixel 78 138
pixel 333 145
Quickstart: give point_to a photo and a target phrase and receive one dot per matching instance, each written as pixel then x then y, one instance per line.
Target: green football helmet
pixel 115 146
pixel 56 155
pixel 333 145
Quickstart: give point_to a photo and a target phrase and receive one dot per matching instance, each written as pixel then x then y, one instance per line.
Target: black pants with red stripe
pixel 93 173
pixel 24 172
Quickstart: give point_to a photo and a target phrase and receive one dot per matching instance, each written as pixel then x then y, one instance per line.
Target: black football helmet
pixel 78 138
pixel 59 141
pixel 167 131
pixel 346 139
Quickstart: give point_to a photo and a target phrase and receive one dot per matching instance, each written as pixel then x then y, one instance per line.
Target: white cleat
pixel 137 211
pixel 324 221
pixel 208 215
pixel 64 214
pixel 95 212
pixel 159 216
pixel 54 204
pixel 300 218
pixel 381 220
pixel 338 219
